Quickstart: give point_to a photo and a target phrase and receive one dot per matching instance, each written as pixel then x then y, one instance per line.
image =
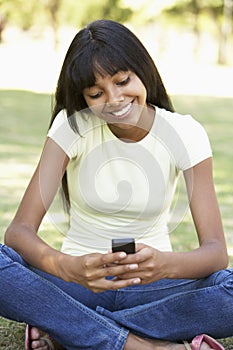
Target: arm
pixel 21 235
pixel 207 219
pixel 89 270
pixel 210 256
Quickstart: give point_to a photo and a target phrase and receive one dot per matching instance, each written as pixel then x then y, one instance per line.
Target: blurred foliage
pixel 199 13
pixel 26 13
pixel 54 13
pixel 111 9
pixel 200 16
pixel 192 12
pixel 22 13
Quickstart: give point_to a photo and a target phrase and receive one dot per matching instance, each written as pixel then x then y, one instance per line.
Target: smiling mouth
pixel 121 113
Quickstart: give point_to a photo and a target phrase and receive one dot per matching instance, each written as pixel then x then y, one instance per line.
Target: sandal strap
pixel 187 345
pixel 49 342
pixel 199 339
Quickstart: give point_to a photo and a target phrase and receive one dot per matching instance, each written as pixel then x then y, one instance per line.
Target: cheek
pixel 140 91
pixel 97 109
pixel 87 100
pixel 142 94
pixel 90 103
pixel 94 103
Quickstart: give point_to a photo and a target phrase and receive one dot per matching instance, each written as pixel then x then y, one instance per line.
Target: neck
pixel 134 133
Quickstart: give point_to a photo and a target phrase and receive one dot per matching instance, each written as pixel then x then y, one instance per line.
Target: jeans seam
pixel 121 339
pixel 6 256
pixel 100 319
pixel 151 289
pixel 216 282
pixel 136 312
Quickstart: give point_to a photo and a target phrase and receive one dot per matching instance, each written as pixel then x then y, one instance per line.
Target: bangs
pixel 96 59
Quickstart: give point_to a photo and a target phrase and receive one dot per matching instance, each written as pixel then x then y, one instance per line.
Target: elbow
pixel 218 258
pixel 223 259
pixel 8 237
pixel 17 235
pixel 12 235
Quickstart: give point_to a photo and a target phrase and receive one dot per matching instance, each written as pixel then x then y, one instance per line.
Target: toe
pixel 40 345
pixel 35 333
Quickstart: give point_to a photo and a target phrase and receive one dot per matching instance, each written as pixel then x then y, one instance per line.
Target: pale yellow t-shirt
pixel 119 189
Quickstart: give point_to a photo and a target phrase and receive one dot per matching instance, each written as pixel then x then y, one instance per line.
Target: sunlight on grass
pixel 22 131
pixel 216 115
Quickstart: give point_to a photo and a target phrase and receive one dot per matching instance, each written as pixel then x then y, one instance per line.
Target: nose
pixel 114 96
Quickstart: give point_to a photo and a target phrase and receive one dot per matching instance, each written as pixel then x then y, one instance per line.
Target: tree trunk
pixel 226 31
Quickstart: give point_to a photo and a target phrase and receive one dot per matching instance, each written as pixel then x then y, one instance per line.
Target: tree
pixel 192 11
pixel 79 14
pixel 3 22
pixel 53 13
pixel 226 31
pixel 21 13
pixel 52 7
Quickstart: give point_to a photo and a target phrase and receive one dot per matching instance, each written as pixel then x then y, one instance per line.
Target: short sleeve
pixel 62 133
pixel 196 144
pixel 185 138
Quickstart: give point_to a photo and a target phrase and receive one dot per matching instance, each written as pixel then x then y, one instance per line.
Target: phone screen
pixel 126 245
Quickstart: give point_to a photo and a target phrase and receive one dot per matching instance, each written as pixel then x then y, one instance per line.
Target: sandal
pixel 199 339
pixel 50 342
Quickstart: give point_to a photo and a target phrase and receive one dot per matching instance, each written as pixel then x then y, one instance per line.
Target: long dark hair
pixel 104 47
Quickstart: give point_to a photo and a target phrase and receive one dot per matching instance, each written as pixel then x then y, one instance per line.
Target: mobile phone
pixel 126 245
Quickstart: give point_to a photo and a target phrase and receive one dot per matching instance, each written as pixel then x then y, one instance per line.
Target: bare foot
pixel 136 343
pixel 39 342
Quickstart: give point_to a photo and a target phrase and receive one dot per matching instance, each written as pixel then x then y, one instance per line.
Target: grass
pixel 23 125
pixel 215 115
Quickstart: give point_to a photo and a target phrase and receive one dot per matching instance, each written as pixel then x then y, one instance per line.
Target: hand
pixel 91 271
pixel 151 264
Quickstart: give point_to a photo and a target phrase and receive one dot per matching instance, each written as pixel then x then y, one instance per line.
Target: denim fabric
pixel 80 319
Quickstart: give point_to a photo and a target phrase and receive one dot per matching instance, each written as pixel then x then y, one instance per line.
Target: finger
pixel 128 276
pixel 97 259
pixel 115 284
pixel 101 265
pixel 139 246
pixel 103 284
pixel 136 258
pixel 112 258
pixel 115 270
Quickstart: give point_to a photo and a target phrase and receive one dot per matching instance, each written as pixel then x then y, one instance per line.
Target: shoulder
pixel 185 137
pixel 85 121
pixel 70 140
pixel 173 125
pixel 177 122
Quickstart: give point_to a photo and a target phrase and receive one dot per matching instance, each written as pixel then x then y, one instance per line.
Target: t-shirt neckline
pixel 142 141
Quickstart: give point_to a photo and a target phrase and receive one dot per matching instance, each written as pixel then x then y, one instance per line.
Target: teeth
pixel 123 111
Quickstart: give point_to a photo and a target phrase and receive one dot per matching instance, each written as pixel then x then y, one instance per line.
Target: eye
pixel 124 82
pixel 95 96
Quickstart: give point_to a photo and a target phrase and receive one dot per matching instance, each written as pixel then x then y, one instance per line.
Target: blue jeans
pixel 80 319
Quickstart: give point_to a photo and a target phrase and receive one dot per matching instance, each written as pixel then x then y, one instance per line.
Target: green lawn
pixel 23 125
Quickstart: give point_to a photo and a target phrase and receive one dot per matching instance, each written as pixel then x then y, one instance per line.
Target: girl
pixel 118 147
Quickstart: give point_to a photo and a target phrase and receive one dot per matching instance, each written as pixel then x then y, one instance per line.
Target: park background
pixel 191 42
